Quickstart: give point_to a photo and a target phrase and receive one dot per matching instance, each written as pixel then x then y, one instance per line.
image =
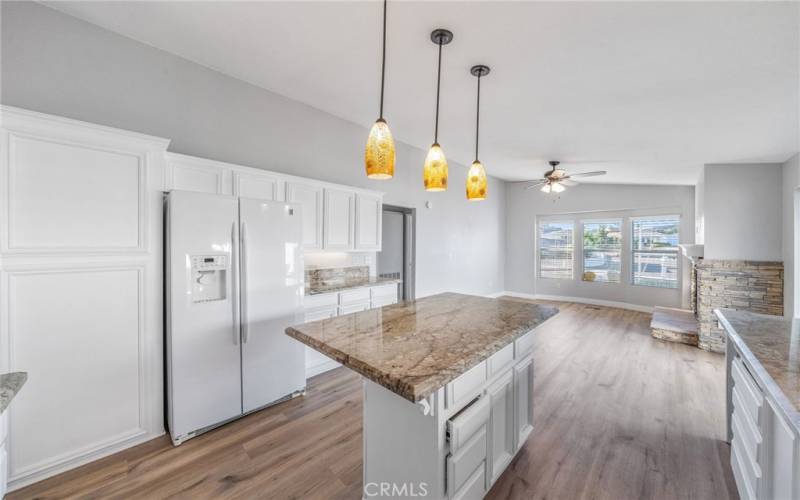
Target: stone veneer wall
pixel 735 284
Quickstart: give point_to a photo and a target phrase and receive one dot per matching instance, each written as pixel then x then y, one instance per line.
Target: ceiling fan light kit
pixel 556 180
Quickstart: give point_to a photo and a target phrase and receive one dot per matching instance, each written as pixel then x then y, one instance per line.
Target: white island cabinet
pixel 763 392
pixel 448 383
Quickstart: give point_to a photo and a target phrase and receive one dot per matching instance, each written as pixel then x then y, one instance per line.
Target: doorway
pixel 397 257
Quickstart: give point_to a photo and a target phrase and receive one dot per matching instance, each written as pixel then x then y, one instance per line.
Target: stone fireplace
pixel 754 286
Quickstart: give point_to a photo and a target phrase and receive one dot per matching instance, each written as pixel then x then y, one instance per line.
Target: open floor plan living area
pixel 234 263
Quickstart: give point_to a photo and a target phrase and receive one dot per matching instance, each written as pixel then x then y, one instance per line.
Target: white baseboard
pixel 321 368
pixel 580 300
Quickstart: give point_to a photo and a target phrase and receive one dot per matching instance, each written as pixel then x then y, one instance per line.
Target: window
pixel 555 250
pixel 602 248
pixel 655 251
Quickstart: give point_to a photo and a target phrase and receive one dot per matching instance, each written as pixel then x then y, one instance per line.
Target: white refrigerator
pixel 234 282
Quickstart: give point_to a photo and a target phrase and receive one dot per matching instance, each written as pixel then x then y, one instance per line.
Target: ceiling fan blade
pixel 535 184
pixel 589 174
pixel 568 182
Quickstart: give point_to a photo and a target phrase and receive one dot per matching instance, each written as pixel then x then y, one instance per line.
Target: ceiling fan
pixel 557 179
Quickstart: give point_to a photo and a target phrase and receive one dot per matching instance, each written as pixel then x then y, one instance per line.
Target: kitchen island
pixel 448 389
pixel 763 402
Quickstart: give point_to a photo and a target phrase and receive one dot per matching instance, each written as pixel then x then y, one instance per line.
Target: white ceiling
pixel 653 90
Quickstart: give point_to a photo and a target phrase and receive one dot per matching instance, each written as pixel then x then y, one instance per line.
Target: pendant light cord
pixel 478 117
pixel 383 60
pixel 438 86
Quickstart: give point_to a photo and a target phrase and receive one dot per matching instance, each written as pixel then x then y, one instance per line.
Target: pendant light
pixel 434 173
pixel 380 153
pixel 476 177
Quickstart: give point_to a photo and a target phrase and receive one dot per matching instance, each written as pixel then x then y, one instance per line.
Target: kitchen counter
pixel 349 285
pixel 416 347
pixel 10 384
pixel 770 347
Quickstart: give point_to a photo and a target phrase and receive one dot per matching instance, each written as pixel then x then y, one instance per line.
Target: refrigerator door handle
pixel 243 281
pixel 234 287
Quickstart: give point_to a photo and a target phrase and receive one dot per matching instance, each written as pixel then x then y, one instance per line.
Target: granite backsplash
pixel 336 276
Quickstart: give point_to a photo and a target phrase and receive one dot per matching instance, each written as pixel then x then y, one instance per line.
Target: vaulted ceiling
pixel 649 91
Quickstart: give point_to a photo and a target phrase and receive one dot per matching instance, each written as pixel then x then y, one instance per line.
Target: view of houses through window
pixel 653 258
pixel 555 250
pixel 602 251
pixel 655 251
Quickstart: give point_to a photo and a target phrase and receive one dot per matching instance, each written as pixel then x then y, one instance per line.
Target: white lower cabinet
pixel 457 441
pixel 765 457
pixel 501 425
pixel 523 401
pixel 503 385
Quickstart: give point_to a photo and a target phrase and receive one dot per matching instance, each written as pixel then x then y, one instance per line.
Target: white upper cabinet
pixel 339 219
pixel 334 217
pixel 368 222
pixel 197 174
pixel 309 196
pixel 257 185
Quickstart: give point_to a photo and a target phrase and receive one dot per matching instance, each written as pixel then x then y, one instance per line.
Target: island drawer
pixel 475 487
pixel 464 388
pixel 748 441
pixel 523 345
pixel 501 360
pixel 750 395
pixel 746 483
pixel 466 423
pixel 353 296
pixel 461 465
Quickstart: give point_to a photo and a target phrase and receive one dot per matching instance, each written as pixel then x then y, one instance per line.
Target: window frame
pixel 538 248
pixel 604 220
pixel 678 264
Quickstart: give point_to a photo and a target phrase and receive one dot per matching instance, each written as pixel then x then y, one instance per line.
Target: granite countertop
pixel 770 346
pixel 10 384
pixel 347 285
pixel 413 348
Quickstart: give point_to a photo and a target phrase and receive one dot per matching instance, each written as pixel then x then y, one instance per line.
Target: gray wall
pixel 743 212
pixel 57 64
pixel 790 233
pixel 606 200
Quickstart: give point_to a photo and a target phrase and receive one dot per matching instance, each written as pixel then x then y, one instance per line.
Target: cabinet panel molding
pixel 256 185
pixel 310 197
pixel 90 308
pixel 369 218
pixel 339 225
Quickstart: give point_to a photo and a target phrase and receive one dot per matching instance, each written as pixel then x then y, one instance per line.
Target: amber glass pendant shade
pixel 476 182
pixel 434 174
pixel 380 153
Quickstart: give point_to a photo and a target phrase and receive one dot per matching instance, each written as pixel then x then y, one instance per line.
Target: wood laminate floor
pixel 617 414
